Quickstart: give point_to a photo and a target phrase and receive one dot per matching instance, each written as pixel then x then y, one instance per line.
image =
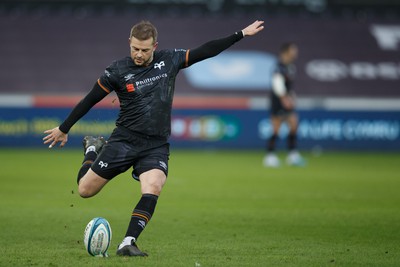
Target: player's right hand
pixel 287 102
pixel 54 136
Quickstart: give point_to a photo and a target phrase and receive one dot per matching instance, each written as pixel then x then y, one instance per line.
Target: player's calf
pixel 91 147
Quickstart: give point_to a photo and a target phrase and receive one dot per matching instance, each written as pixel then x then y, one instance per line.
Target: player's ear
pixel 155 45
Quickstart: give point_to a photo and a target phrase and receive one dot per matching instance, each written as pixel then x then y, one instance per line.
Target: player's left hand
pixel 54 136
pixel 254 28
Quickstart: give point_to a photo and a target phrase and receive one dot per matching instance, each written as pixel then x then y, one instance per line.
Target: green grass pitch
pixel 219 208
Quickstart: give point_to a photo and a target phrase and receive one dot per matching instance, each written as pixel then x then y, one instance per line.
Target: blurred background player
pixel 283 105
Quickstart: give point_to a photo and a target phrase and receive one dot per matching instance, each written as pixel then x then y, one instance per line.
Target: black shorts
pixel 126 149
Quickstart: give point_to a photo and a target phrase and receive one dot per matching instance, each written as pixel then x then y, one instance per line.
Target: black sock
pixel 271 143
pixel 292 141
pixel 141 215
pixel 90 157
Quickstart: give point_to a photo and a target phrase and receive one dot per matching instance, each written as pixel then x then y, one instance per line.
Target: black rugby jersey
pixel 145 93
pixel 288 72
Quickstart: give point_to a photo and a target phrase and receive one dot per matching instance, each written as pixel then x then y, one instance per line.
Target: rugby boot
pixel 131 250
pixel 97 142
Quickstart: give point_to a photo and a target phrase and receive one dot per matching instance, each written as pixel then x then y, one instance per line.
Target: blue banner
pixel 246 129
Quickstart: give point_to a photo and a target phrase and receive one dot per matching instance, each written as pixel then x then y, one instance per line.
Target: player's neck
pixel 149 61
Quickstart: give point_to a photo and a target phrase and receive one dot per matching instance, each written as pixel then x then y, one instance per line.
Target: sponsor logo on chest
pixel 132 84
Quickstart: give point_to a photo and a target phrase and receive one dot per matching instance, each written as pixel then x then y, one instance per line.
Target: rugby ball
pixel 97 237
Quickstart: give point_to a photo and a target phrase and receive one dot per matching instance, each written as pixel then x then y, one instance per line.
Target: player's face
pixel 292 53
pixel 142 51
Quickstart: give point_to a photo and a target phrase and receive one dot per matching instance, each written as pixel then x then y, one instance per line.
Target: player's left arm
pixel 213 48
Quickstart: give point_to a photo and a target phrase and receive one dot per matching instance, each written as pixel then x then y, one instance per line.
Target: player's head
pixel 288 52
pixel 143 42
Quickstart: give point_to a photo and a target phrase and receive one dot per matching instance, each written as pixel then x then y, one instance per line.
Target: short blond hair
pixel 144 30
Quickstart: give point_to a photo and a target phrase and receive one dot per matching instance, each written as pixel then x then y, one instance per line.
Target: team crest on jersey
pixel 159 65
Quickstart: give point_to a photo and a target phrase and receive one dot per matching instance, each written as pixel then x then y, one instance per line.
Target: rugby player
pixel 144 83
pixel 283 107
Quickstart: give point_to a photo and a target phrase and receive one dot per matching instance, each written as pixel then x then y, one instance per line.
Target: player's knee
pixel 153 187
pixel 152 181
pixel 85 192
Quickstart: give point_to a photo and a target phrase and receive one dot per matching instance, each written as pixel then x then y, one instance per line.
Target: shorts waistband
pixel 141 135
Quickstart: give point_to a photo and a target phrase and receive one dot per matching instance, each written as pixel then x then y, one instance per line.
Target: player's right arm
pixel 107 83
pixel 60 133
pixel 279 88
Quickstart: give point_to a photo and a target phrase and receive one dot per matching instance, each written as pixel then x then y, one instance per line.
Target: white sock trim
pixel 91 148
pixel 127 241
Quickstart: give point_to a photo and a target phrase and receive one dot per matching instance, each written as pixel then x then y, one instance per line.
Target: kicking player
pixel 283 107
pixel 144 84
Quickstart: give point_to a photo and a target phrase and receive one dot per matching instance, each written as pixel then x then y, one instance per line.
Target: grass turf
pixel 218 208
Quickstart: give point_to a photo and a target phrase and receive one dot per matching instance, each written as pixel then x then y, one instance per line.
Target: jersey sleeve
pixel 180 58
pixel 213 48
pixel 109 80
pixel 278 84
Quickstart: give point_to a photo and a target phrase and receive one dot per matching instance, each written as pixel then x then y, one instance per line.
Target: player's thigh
pixel 115 158
pixel 152 169
pixel 90 184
